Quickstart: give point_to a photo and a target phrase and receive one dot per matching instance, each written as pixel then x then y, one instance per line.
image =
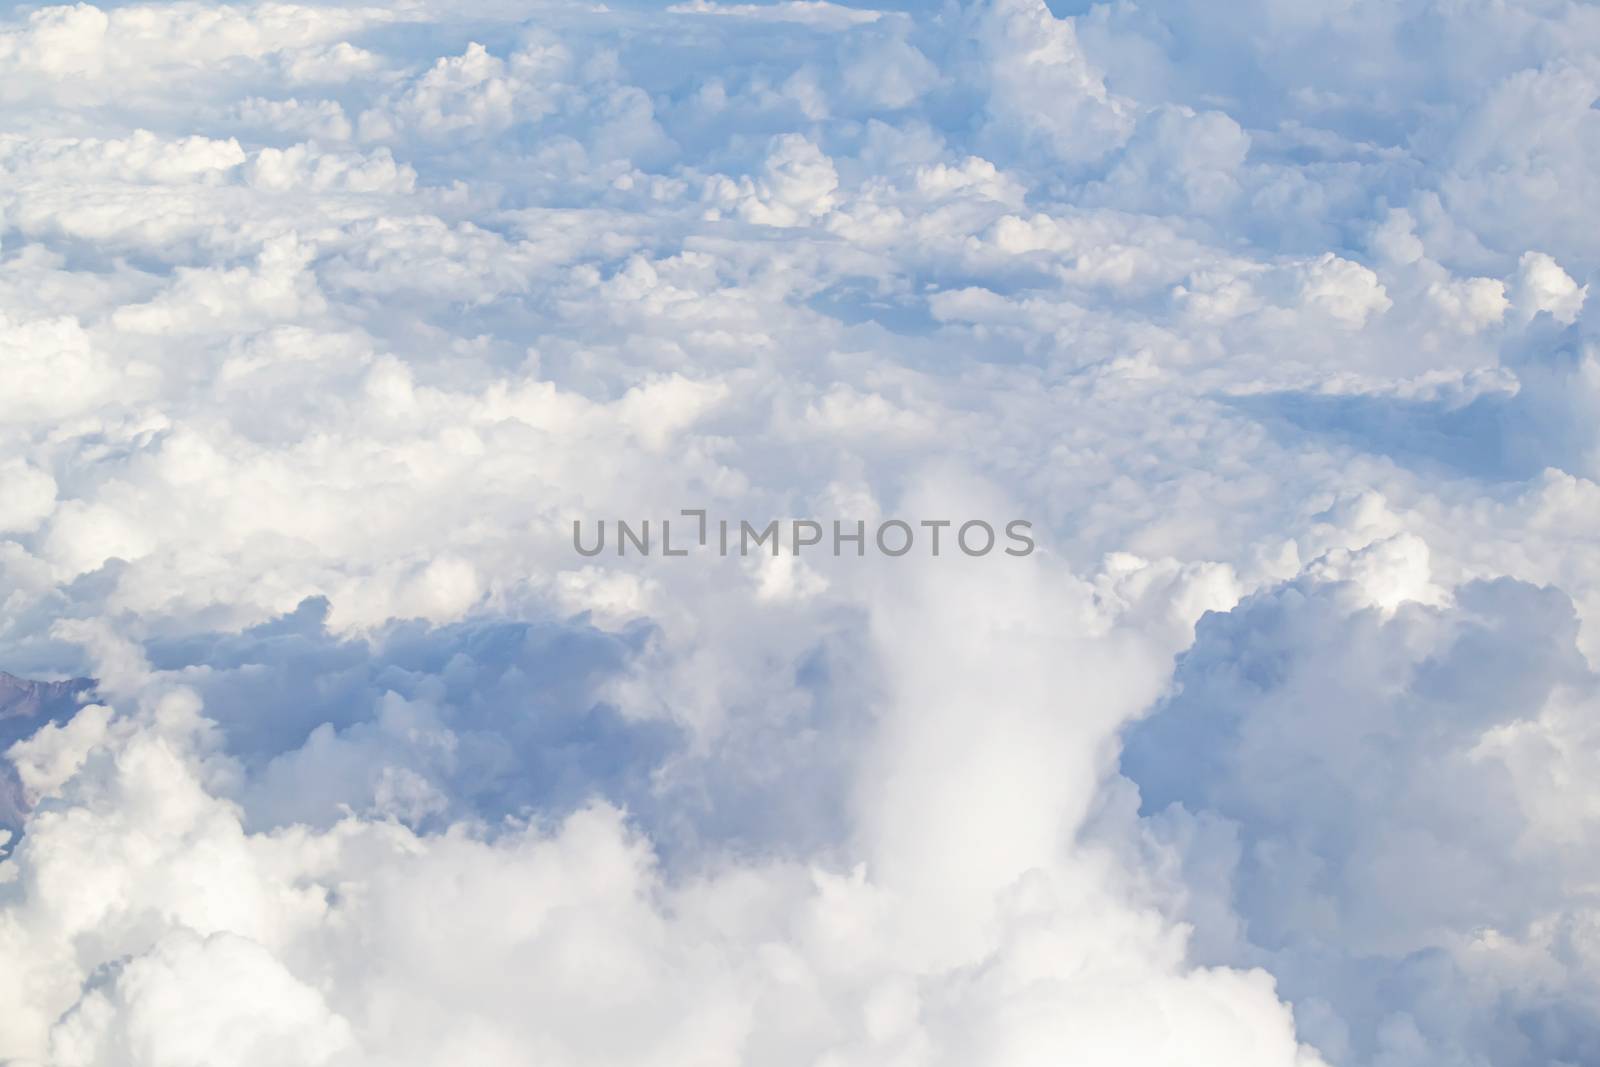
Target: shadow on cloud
pixel 1361 802
pixel 481 718
pixel 1547 420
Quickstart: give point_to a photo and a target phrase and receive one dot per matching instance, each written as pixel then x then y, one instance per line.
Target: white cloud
pixel 320 325
pixel 1541 285
pixel 1347 291
pixel 1355 793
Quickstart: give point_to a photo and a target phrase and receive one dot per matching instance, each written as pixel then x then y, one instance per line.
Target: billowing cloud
pixel 1365 803
pixel 320 326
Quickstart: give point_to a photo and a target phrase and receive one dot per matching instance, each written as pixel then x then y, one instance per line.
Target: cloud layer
pixel 319 325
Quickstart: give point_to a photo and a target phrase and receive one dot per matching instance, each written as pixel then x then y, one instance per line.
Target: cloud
pixel 250 1009
pixel 319 327
pixel 1362 802
pixel 364 940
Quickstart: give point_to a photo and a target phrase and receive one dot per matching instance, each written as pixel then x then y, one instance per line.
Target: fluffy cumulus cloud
pixel 320 326
pixel 1363 802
